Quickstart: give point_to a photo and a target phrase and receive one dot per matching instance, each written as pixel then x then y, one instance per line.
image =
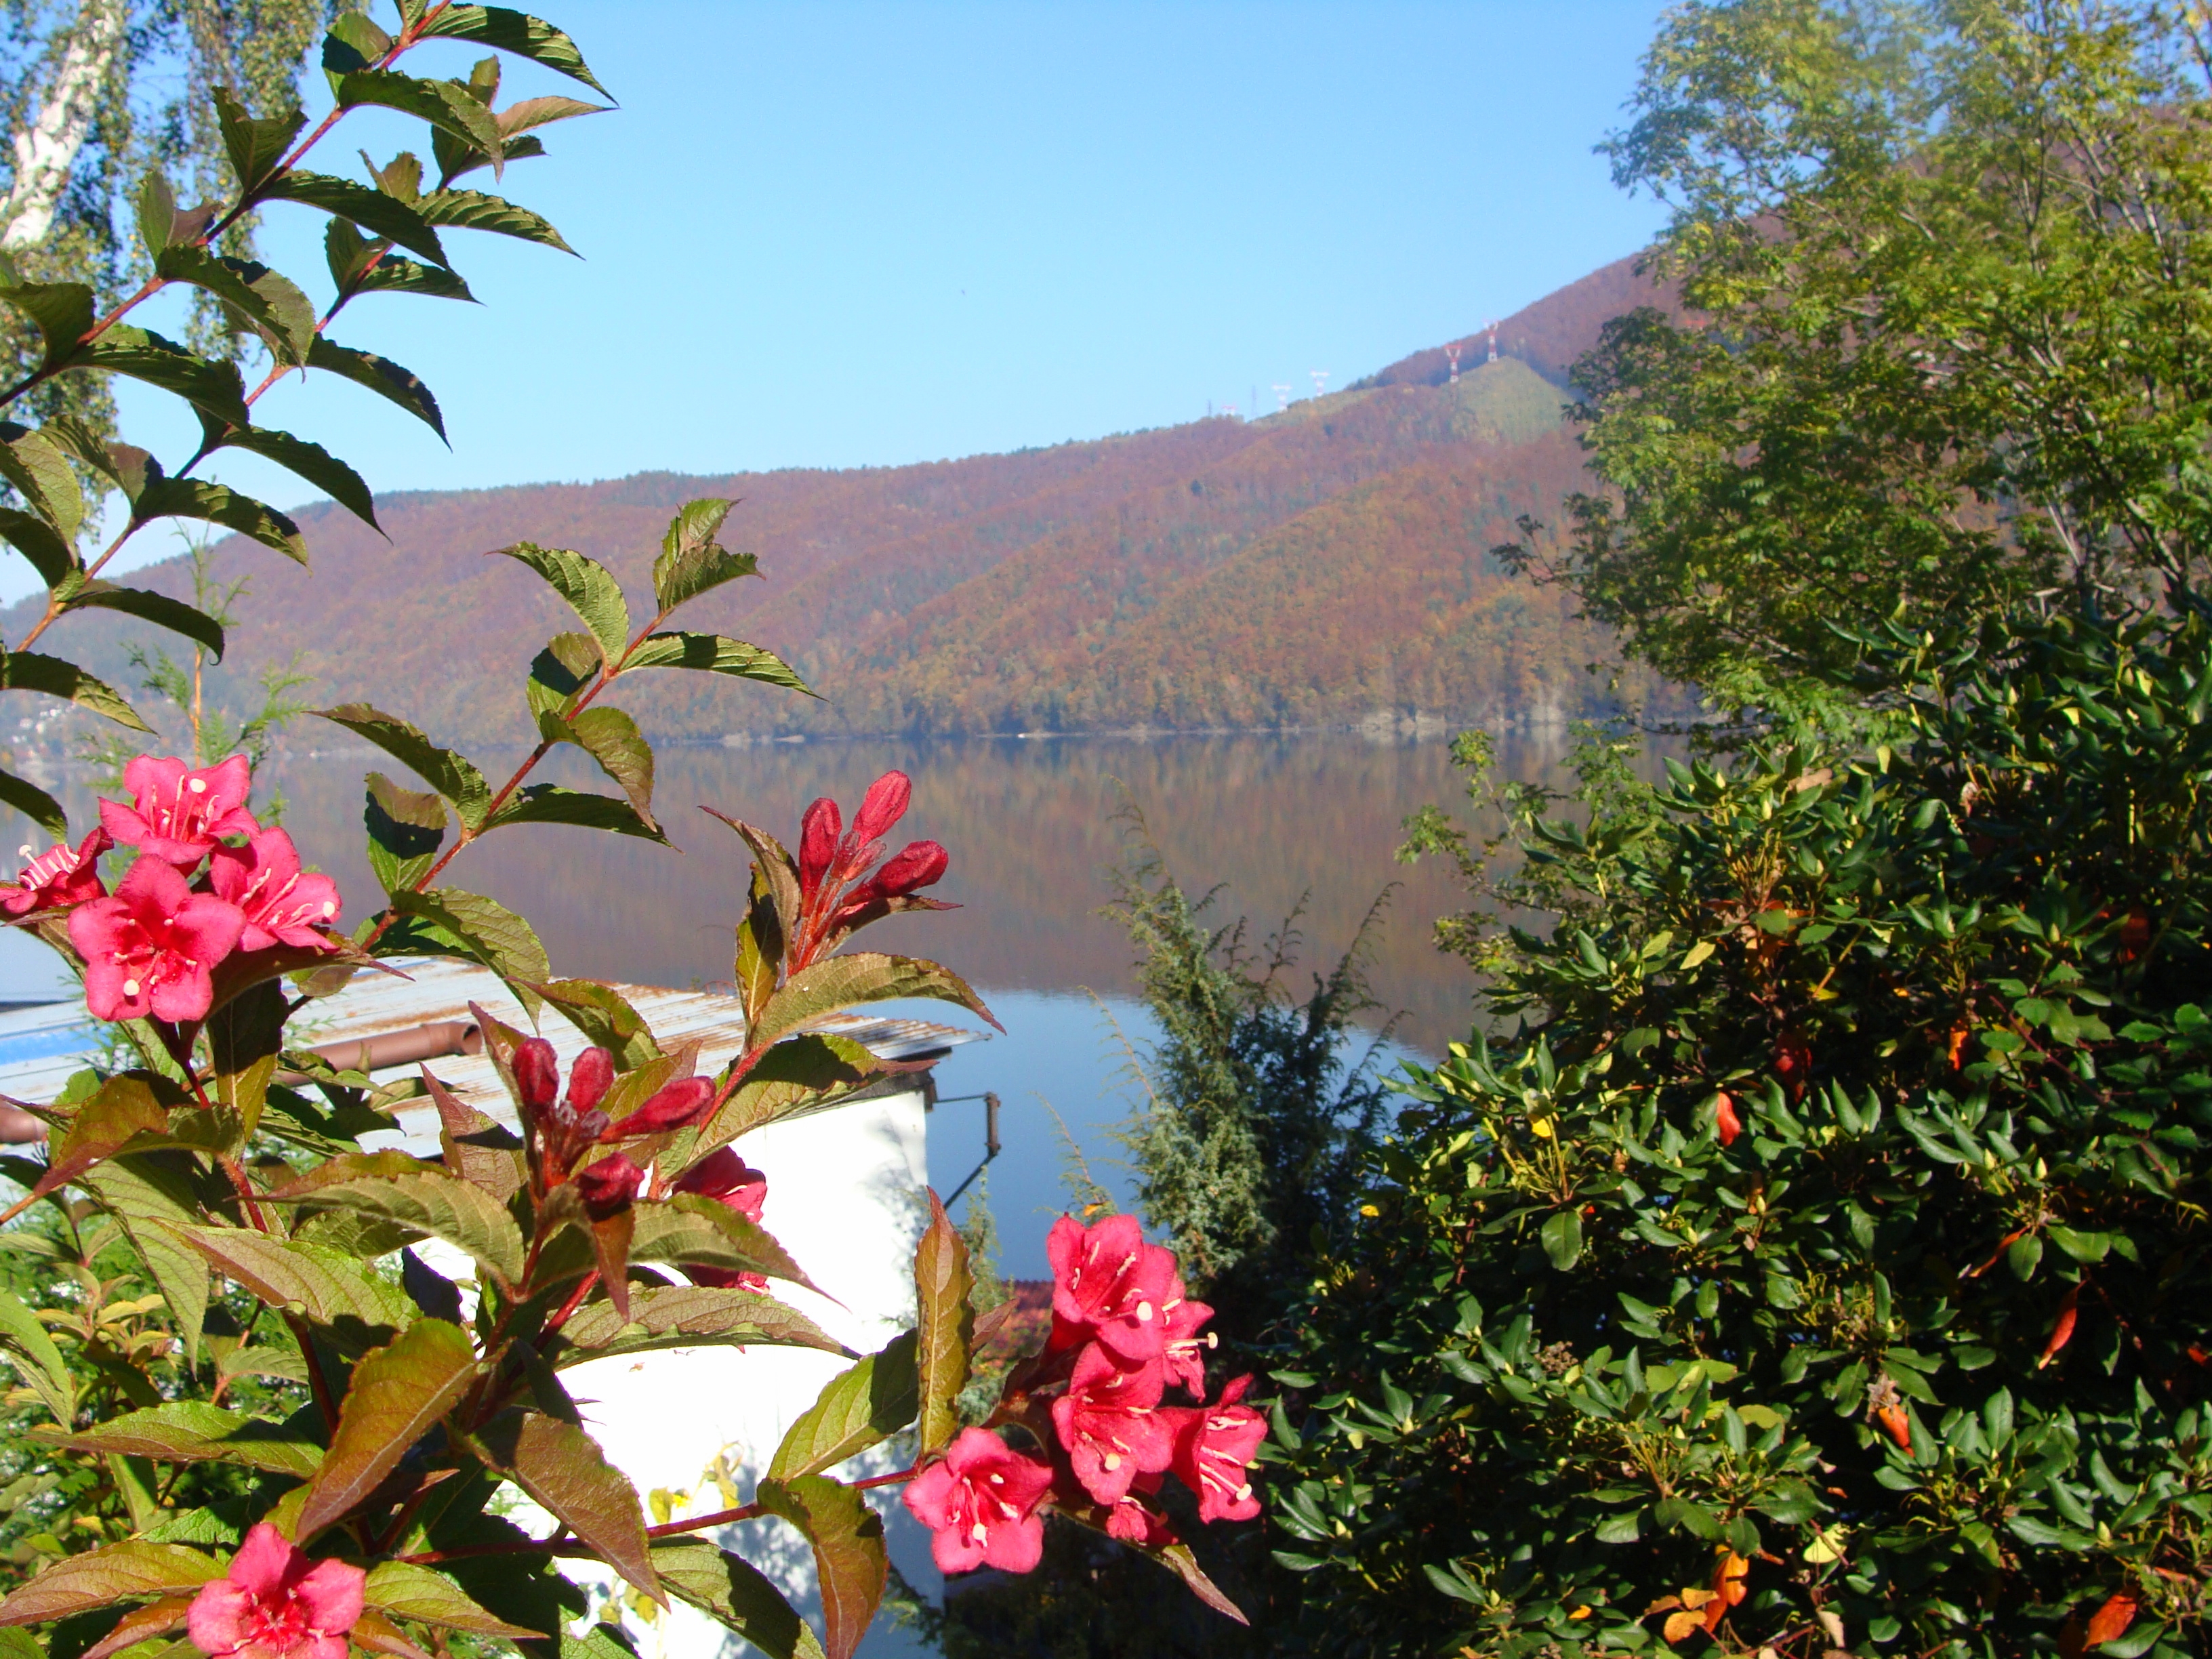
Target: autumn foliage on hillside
pixel 1327 566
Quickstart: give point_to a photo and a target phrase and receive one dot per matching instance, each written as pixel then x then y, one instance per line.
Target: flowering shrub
pixel 356 1502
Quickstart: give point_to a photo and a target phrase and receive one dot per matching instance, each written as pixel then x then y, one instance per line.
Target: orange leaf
pixel 2062 1327
pixel 1679 1626
pixel 2110 1621
pixel 1899 1426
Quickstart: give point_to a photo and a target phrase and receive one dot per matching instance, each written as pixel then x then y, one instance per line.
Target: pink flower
pixel 725 1177
pixel 1182 1348
pixel 276 1603
pixel 1107 1277
pixel 180 814
pixel 1107 1422
pixel 979 1506
pixel 58 877
pixel 1214 1446
pixel 149 947
pixel 1133 1523
pixel 282 904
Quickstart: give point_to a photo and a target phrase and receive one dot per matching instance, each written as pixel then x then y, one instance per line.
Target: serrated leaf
pixel 797 1074
pixel 716 653
pixel 139 354
pixel 942 1284
pixel 62 313
pixel 27 671
pixel 516 32
pixel 101 1577
pixel 159 609
pixel 569 663
pixel 606 1017
pixel 138 1187
pixel 398 1394
pixel 691 561
pixel 612 738
pixel 685 1316
pixel 374 210
pixel 471 210
pixel 588 587
pixel 37 466
pixel 405 828
pixel 122 1109
pixel 690 1228
pixel 156 1618
pixel 442 103
pixel 858 977
pixel 50 556
pixel 429 1598
pixel 37 1360
pixel 215 503
pixel 549 803
pixel 478 1149
pixel 393 275
pixel 564 1470
pixel 471 925
pixel 34 803
pixel 310 461
pixel 194 1432
pixel 772 863
pixel 859 1408
pixel 850 1562
pixel 378 375
pixel 434 1205
pixel 732 1590
pixel 254 146
pixel 444 770
pixel 265 301
pixel 332 1289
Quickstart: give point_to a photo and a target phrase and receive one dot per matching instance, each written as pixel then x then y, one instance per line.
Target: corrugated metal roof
pixel 40 1046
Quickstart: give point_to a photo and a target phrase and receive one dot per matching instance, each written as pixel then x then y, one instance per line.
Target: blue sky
pixel 849 234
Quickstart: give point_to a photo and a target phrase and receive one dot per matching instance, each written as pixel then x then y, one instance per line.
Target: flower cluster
pixel 1123 1333
pixel 150 948
pixel 566 1128
pixel 835 891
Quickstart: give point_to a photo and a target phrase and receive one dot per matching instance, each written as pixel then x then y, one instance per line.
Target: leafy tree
pixel 1940 269
pixel 1821 1264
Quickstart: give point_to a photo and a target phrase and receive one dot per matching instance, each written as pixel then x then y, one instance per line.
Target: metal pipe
pixel 17 1126
pixel 433 1040
pixel 990 1127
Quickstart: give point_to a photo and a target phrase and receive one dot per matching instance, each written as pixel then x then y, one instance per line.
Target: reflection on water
pixel 1031 827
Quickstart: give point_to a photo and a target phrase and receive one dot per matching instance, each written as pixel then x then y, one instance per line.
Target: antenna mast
pixel 1282 395
pixel 1320 377
pixel 1452 351
pixel 1492 327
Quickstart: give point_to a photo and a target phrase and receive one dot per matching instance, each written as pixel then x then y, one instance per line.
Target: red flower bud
pixel 883 806
pixel 2061 1328
pixel 682 1103
pixel 536 1074
pixel 818 842
pixel 589 1078
pixel 608 1186
pixel 918 864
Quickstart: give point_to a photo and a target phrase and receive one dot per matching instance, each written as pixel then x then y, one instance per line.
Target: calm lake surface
pixel 1031 826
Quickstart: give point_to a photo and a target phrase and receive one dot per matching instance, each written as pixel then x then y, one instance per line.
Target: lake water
pixel 1032 828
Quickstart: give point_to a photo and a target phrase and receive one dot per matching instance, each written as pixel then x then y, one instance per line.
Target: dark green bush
pixel 1822 1263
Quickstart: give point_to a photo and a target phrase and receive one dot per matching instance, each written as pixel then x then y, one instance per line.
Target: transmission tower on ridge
pixel 1492 327
pixel 1282 395
pixel 1452 352
pixel 1320 377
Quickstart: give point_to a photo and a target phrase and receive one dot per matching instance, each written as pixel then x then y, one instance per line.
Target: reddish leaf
pixel 101 1577
pixel 2111 1620
pixel 942 1282
pixel 563 1468
pixel 849 1559
pixel 2062 1327
pixel 398 1391
pixel 156 1618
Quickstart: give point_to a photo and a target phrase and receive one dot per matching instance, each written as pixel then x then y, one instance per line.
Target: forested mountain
pixel 1328 565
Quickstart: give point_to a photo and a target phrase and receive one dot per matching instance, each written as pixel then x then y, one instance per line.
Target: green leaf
pixel 1622 1529
pixel 772 863
pixel 402 1588
pixel 101 1577
pixel 37 1360
pixel 122 1109
pixel 714 653
pixel 691 561
pixel 159 609
pixel 62 313
pixel 851 1564
pixel 426 1201
pixel 686 1316
pixel 942 1284
pixel 588 587
pixel 380 375
pixel 470 925
pixel 405 831
pixel 569 663
pixel 194 1432
pixel 50 556
pixel 393 275
pixel 138 354
pixel 549 803
pixel 470 209
pixel 139 1187
pixel 255 146
pixel 398 1394
pixel 563 1468
pixel 215 503
pixel 34 803
pixel 373 210
pixel 856 977
pixel 518 32
pixel 797 1074
pixel 605 1018
pixel 331 1289
pixel 40 470
pixel 443 769
pixel 27 671
pixel 267 302
pixel 732 1590
pixel 445 104
pixel 1563 1239
pixel 859 1408
pixel 689 1228
pixel 612 738
pixel 310 461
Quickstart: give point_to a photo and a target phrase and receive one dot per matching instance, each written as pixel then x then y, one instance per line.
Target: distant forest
pixel 1327 566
